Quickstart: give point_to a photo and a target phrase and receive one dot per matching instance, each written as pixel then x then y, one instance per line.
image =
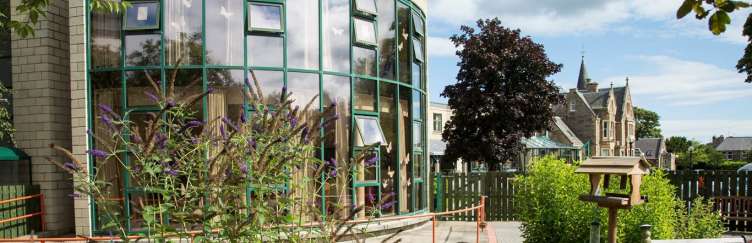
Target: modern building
pixel 602 118
pixel 438 116
pixel 367 56
pixel 733 148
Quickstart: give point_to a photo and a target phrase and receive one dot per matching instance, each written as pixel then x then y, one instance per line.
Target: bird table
pixel 629 170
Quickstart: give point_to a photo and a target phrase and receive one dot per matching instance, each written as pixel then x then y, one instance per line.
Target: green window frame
pixel 362 24
pixel 367 7
pixel 418 25
pixel 250 15
pixel 136 6
pixel 364 126
pixel 418 50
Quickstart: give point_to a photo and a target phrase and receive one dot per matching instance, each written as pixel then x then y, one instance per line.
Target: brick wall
pixel 77 21
pixel 42 108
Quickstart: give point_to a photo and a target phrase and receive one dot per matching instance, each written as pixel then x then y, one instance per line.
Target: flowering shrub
pixel 245 179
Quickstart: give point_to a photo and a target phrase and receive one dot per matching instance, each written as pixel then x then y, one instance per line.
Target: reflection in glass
pixel 105 39
pixel 417 136
pixel 365 94
pixel 367 6
pixel 418 165
pixel 303 87
pixel 107 90
pixel 142 15
pixel 418 49
pixel 224 32
pixel 265 51
pixel 369 199
pixel 187 85
pixel 303 34
pixel 336 35
pixel 271 83
pixel 417 105
pixel 265 17
pixel 336 94
pixel 418 23
pixel 387 37
pixel 405 135
pixel 142 50
pixel 367 166
pixel 388 120
pixel 183 32
pixel 368 131
pixel 364 60
pixel 226 100
pixel 403 47
pixel 365 31
pixel 140 87
pixel 417 73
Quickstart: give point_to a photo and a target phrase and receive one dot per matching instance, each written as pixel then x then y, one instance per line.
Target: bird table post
pixel 628 168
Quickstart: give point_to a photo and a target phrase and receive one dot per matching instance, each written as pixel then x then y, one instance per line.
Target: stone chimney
pixel 592 86
pixel 718 140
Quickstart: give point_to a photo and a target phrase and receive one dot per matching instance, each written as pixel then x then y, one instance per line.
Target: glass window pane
pixel 365 31
pixel 142 50
pixel 368 198
pixel 418 166
pixel 140 87
pixel 105 39
pixel 417 23
pixel 336 94
pixel 224 39
pixel 336 35
pixel 418 49
pixel 389 160
pixel 365 94
pixel 188 84
pixel 417 136
pixel 364 60
pixel 387 37
pixel 183 32
pixel 405 155
pixel 142 15
pixel 265 51
pixel 226 100
pixel 403 48
pixel 303 87
pixel 265 17
pixel 417 105
pixel 367 167
pixel 369 131
pixel 303 34
pixel 417 73
pixel 368 6
pixel 271 83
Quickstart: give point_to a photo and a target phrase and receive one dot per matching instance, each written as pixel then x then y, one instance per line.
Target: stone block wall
pixel 78 119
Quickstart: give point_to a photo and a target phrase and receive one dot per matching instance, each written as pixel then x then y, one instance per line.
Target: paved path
pixel 458 232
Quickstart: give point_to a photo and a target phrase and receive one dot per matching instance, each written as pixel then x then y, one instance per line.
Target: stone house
pixel 733 148
pixel 654 150
pixel 602 118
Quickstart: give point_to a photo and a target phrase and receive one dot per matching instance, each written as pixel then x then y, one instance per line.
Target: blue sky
pixel 676 67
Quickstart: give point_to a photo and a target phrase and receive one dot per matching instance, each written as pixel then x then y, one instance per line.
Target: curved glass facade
pixel 367 56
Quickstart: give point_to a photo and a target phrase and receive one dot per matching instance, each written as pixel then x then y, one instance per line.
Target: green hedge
pixel 550 210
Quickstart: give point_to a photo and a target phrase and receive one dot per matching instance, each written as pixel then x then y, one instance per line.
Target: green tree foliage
pixel 677 144
pixel 6 121
pixel 502 93
pixel 551 211
pixel 701 156
pixel 719 11
pixel 647 123
pixel 35 10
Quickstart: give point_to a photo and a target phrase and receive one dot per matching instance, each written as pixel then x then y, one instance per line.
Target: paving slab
pixel 457 232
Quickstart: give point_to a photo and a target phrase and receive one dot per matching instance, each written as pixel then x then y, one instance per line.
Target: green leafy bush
pixel 551 211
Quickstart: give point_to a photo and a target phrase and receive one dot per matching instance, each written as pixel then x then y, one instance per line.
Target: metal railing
pixel 26 216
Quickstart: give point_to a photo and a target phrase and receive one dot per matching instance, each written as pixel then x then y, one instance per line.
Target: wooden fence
pixel 457 191
pixel 14 209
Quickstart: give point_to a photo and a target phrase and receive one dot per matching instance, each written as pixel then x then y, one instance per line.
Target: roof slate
pixel 649 144
pixel 735 144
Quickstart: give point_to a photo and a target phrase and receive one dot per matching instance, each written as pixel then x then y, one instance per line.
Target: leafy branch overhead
pixel 35 11
pixel 718 21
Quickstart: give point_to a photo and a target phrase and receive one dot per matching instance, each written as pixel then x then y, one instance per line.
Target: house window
pixel 265 17
pixel 366 6
pixel 365 32
pixel 605 129
pixel 572 106
pixel 605 152
pixel 368 131
pixel 418 24
pixel 418 49
pixel 142 16
pixel 438 123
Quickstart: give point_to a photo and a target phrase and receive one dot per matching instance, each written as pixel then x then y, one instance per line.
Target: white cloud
pixel 677 82
pixel 704 130
pixel 440 47
pixel 557 17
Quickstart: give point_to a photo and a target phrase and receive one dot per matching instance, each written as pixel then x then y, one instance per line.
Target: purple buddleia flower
pixel 333 173
pixel 192 124
pixel 251 142
pixel 304 135
pixel 171 171
pixel 294 122
pixel 372 161
pixel 230 123
pixel 105 108
pixel 74 195
pixel 161 140
pixel 71 166
pixel 135 138
pixel 247 82
pixel 151 96
pixel 108 122
pixel 243 117
pixel 194 140
pixel 223 132
pixel 387 205
pixel 243 168
pixel 371 197
pixel 97 153
pixel 136 169
pixel 170 104
pixel 209 90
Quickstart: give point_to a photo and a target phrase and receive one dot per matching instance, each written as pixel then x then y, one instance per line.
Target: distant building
pixel 602 118
pixel 438 115
pixel 654 150
pixel 733 148
pixel 558 141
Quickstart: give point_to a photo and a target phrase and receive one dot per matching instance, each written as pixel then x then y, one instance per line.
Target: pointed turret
pixel 583 80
